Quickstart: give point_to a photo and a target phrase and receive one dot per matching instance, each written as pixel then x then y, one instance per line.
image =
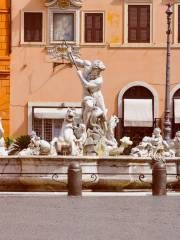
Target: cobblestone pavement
pixel 89 218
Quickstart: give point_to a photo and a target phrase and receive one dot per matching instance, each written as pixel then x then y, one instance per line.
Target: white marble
pixel 76 3
pixel 175 145
pixel 154 147
pixel 36 147
pixel 3 151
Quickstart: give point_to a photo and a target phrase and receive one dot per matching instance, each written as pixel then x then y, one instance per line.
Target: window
pixel 93 28
pixel 63 25
pixel 33 22
pixel 137 113
pixel 47 129
pixel 178 23
pixel 46 119
pixel 138 23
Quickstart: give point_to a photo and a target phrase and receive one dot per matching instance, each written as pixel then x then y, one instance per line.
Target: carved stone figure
pixel 81 136
pixel 144 149
pixel 92 115
pixel 176 144
pixel 36 147
pixel 67 140
pixel 3 151
pixel 160 147
pixel 110 139
pixel 92 143
pixel 76 3
pixel 125 142
pixel 91 79
pixel 154 147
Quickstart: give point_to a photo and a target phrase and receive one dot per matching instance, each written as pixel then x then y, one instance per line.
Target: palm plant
pixel 19 144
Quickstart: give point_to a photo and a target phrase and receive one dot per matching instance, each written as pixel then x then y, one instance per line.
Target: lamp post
pixel 167 122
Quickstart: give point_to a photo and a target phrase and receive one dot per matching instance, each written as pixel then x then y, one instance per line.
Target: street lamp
pixel 167 122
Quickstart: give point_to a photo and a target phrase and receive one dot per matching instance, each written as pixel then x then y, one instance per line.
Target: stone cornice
pixel 76 3
pixel 4 58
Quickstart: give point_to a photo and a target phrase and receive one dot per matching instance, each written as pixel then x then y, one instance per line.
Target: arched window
pixel 176 112
pixel 138 118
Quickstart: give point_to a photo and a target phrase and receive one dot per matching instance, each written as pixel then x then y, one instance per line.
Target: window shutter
pixel 98 28
pixel 179 24
pixel 32 27
pixel 88 28
pixel 144 24
pixel 138 23
pixel 94 27
pixel 132 24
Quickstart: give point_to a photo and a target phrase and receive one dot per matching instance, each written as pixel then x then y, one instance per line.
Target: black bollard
pixel 159 180
pixel 74 179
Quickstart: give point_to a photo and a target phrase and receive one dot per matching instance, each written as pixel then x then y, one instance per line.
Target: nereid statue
pixel 3 151
pixel 154 147
pixel 36 147
pixel 175 144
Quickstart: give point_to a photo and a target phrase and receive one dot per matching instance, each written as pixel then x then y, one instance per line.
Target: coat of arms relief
pixel 63 28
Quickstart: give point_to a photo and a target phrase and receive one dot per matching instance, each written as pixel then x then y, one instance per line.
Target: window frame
pixel 42 135
pixel 179 23
pixel 138 29
pixel 76 13
pixel 43 28
pixel 126 29
pixel 83 42
pixel 176 41
pixel 32 105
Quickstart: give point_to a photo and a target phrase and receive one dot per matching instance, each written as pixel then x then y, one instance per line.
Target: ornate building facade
pixel 5 63
pixel 129 36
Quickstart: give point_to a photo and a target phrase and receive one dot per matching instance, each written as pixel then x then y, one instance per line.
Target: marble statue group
pixel 92 133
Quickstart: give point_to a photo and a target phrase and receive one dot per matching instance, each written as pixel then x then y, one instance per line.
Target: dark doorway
pixel 137 133
pixel 175 126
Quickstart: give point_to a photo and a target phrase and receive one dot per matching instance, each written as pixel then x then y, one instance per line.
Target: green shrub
pixel 9 141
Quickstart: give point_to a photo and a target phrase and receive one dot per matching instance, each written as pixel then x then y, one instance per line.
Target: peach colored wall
pixel 33 79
